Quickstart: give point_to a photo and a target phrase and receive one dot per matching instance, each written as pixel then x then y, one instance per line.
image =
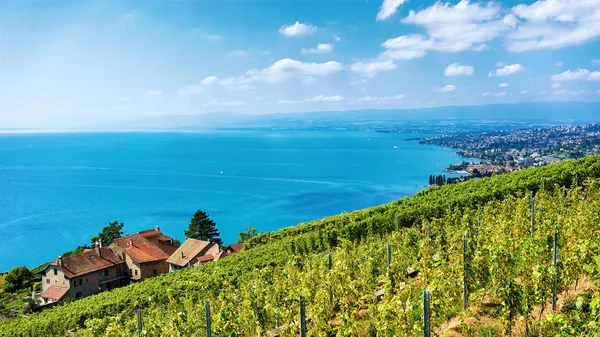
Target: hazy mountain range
pixel 566 112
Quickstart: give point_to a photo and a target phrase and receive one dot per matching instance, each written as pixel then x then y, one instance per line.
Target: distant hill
pixel 556 111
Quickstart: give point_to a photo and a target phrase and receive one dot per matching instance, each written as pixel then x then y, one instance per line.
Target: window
pixel 154 271
pixel 74 283
pixel 130 271
pixel 47 281
pixel 136 272
pixel 55 272
pixel 80 281
pixel 106 272
pixel 79 294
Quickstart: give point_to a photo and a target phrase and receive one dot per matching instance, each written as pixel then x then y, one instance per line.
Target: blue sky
pixel 80 63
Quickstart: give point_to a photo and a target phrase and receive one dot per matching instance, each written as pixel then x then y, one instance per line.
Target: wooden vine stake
pixel 426 314
pixel 330 288
pixel 302 317
pixel 138 313
pixel 532 200
pixel 554 288
pixel 207 312
pixel 465 282
pixel 429 231
pixel 389 261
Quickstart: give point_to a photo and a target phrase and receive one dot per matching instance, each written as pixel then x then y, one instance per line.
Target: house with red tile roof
pixel 145 253
pixel 83 274
pixel 193 253
pixel 234 248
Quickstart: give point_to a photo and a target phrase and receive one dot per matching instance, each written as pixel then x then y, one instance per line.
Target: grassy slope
pixel 276 249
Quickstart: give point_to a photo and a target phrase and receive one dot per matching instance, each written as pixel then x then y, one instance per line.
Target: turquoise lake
pixel 58 190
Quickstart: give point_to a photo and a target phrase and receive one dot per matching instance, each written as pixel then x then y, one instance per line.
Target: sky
pixel 92 63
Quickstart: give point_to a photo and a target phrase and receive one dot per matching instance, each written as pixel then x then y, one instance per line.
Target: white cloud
pixel 224 104
pixel 558 63
pixel 507 70
pixel 556 85
pixel 503 85
pixel 450 28
pixel 283 70
pixel 316 99
pixel 209 80
pixel 446 88
pixel 237 53
pixel 322 48
pixel 596 62
pixel 370 69
pixel 309 80
pixel 388 8
pixel 213 37
pixel 552 24
pixel 455 69
pixel 154 93
pixel 297 29
pixel 485 94
pixel 577 75
pixel 499 64
pixel 499 94
pixel 382 99
pixel 124 99
pixel 523 92
pixel 337 38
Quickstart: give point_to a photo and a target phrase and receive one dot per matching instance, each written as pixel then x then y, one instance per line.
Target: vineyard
pixel 492 253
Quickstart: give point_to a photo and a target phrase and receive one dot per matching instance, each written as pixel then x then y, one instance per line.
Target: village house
pixel 145 253
pixel 84 274
pixel 193 253
pixel 234 248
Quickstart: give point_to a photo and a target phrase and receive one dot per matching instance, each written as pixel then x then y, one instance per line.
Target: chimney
pixel 98 245
pixel 60 260
pixel 157 228
pixel 131 242
pixel 182 255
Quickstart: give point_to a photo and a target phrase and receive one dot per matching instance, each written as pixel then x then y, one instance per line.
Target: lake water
pixel 58 190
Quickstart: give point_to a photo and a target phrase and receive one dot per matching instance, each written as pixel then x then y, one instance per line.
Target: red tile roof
pixel 55 293
pixel 88 261
pixel 142 250
pixel 236 247
pixel 190 249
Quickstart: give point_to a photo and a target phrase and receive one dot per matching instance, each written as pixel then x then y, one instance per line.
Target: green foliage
pixel 201 227
pixel 248 234
pixel 18 278
pixel 73 252
pixel 509 270
pixel 109 233
pixel 39 270
pixel 2 282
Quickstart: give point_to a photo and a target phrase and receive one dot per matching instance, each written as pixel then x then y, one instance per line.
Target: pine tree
pixel 201 227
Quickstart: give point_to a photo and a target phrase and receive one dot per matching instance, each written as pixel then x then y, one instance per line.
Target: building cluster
pixel 486 169
pixel 125 260
pixel 514 150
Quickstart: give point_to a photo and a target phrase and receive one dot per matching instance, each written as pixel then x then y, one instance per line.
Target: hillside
pixel 509 271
